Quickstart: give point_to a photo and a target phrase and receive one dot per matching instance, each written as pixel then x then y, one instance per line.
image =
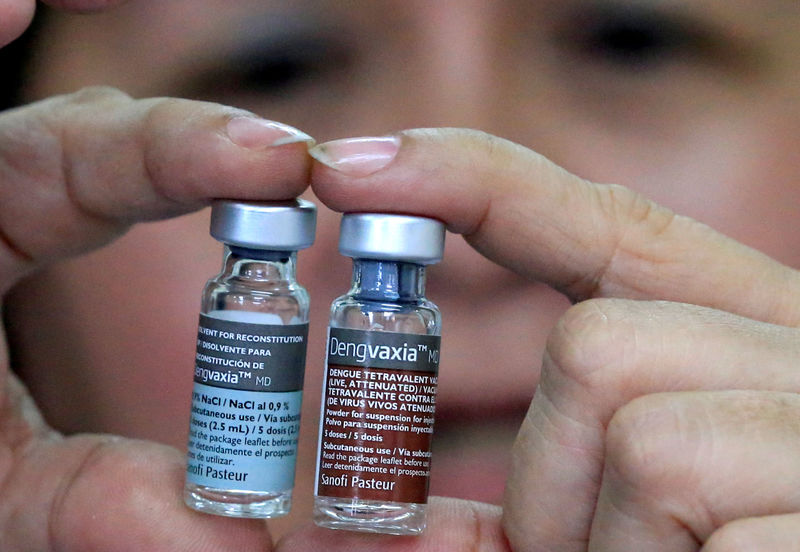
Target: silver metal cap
pixel 277 225
pixel 392 237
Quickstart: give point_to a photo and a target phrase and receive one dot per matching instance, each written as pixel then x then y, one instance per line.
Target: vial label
pixel 246 402
pixel 377 416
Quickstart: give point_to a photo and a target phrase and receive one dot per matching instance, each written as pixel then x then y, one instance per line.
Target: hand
pixel 75 172
pixel 666 414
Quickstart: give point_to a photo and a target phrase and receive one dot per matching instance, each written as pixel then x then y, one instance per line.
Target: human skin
pixel 479 407
pixel 721 289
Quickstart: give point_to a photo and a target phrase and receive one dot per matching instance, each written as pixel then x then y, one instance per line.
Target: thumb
pixel 89 493
pixel 454 525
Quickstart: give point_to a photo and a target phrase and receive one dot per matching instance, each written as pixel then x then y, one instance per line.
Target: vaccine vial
pixel 379 390
pixel 250 361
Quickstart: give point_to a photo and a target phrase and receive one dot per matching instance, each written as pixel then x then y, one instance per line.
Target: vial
pixel 250 362
pixel 379 390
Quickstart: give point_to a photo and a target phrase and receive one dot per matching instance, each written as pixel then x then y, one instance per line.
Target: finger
pixel 77 170
pixel 86 494
pixel 99 493
pixel 757 534
pixel 453 525
pixel 603 354
pixel 15 17
pixel 681 465
pixel 527 214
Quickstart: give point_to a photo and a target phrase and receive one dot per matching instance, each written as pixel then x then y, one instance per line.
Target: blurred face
pixel 695 104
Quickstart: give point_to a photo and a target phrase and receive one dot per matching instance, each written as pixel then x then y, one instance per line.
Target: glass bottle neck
pixel 387 280
pixel 259 264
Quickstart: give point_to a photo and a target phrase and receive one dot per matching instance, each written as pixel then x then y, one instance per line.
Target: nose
pixel 448 75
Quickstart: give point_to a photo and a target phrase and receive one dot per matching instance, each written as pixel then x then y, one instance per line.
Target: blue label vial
pixel 249 363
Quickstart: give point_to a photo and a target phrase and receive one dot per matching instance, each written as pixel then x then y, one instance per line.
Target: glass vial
pixel 379 392
pixel 250 361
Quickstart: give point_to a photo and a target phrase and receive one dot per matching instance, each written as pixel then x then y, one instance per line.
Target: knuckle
pixel 71 116
pixel 625 205
pixel 642 439
pixel 154 107
pixel 153 112
pixel 95 94
pixel 501 153
pixel 636 223
pixel 591 343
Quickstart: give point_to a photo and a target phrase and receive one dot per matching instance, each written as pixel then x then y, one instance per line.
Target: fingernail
pixel 255 133
pixel 357 156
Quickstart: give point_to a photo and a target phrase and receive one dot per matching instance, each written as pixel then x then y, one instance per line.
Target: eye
pixel 632 37
pixel 274 68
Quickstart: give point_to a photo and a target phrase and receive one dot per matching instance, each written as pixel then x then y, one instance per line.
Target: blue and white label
pixel 243 440
pixel 248 382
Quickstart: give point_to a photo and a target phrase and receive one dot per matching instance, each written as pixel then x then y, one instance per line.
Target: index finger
pixel 525 213
pixel 77 170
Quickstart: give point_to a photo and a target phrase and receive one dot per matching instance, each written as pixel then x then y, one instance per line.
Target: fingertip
pixel 15 17
pixel 340 168
pixel 406 172
pixel 256 133
pixel 197 151
pixel 252 157
pixel 277 173
pixel 357 157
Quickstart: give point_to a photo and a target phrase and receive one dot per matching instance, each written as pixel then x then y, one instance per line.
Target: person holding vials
pixel 676 338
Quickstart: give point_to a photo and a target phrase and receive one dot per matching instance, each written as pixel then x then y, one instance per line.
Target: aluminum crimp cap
pixel 388 237
pixel 276 225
